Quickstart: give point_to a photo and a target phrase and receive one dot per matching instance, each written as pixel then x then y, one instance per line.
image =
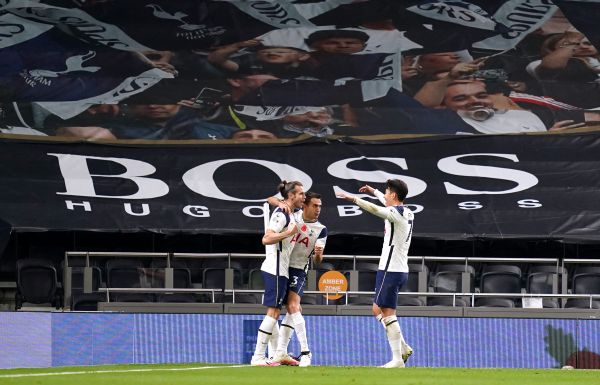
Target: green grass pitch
pixel 198 374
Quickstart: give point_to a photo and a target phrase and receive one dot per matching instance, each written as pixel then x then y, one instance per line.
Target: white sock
pixel 285 333
pixel 379 319
pixel 264 333
pixel 394 336
pixel 273 340
pixel 300 327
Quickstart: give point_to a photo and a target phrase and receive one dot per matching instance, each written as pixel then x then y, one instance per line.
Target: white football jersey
pixel 277 260
pixel 304 241
pixel 398 233
pixel 396 241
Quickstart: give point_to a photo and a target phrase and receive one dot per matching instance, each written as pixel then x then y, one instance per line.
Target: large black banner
pixel 534 186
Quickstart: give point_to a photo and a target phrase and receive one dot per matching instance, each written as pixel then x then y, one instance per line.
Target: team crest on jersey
pixel 73 64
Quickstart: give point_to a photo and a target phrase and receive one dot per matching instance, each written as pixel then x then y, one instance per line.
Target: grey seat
pixel 582 303
pixel 500 282
pixel 255 280
pixel 412 284
pixel 215 279
pixel 126 272
pixel 360 300
pixel 37 283
pixel 586 283
pixel 86 301
pixel 448 278
pixel 366 280
pixel 176 297
pixel 446 301
pixel 404 300
pixel 494 302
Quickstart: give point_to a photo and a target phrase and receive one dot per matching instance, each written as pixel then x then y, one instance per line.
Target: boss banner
pixel 534 186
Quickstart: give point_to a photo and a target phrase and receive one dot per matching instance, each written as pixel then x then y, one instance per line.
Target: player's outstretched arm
pixel 379 211
pixel 373 191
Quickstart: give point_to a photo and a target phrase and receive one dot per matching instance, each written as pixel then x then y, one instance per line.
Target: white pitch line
pixel 116 371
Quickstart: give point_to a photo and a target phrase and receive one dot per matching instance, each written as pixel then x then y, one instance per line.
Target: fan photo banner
pixel 507 186
pixel 285 70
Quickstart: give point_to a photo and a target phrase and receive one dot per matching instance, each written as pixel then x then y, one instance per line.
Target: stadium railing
pixel 351 261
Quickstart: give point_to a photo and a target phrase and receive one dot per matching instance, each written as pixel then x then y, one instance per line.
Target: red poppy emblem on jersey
pixel 303 228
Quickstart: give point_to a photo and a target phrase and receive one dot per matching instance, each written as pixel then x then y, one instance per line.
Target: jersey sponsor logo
pixel 300 239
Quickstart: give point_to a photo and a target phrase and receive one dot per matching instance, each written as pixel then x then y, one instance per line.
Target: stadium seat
pixel 360 300
pixel 366 280
pixel 215 279
pixel 586 283
pixel 248 298
pixel 446 301
pixel 412 285
pixel 312 299
pixel 540 283
pixel 494 302
pixel 497 278
pixel 365 266
pixel 221 263
pixel 404 300
pixel 86 301
pixel 582 303
pixel 255 280
pixel 324 266
pixel 77 279
pixel 176 297
pixel 182 276
pixel 37 283
pixel 132 297
pixel 124 273
pixel 550 303
pixel 579 269
pixel 501 268
pixel 448 278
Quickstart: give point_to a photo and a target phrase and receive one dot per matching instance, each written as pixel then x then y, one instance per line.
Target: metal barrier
pixel 561 271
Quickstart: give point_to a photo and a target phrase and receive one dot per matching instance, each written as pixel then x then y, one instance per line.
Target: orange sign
pixel 333 281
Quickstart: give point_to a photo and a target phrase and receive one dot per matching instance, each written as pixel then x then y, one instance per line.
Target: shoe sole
pixel 289 363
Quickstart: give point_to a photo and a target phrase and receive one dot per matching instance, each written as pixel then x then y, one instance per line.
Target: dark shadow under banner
pixel 518 186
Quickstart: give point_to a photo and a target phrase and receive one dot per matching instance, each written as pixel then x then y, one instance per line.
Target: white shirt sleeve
pixel 277 222
pixel 379 195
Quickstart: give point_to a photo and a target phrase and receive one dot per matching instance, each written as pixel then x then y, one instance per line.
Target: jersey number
pixel 410 223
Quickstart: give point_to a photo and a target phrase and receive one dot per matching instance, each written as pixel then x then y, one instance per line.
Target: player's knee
pixel 293 307
pixel 376 310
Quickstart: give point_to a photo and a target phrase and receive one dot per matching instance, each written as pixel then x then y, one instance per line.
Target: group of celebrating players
pixel 294 235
